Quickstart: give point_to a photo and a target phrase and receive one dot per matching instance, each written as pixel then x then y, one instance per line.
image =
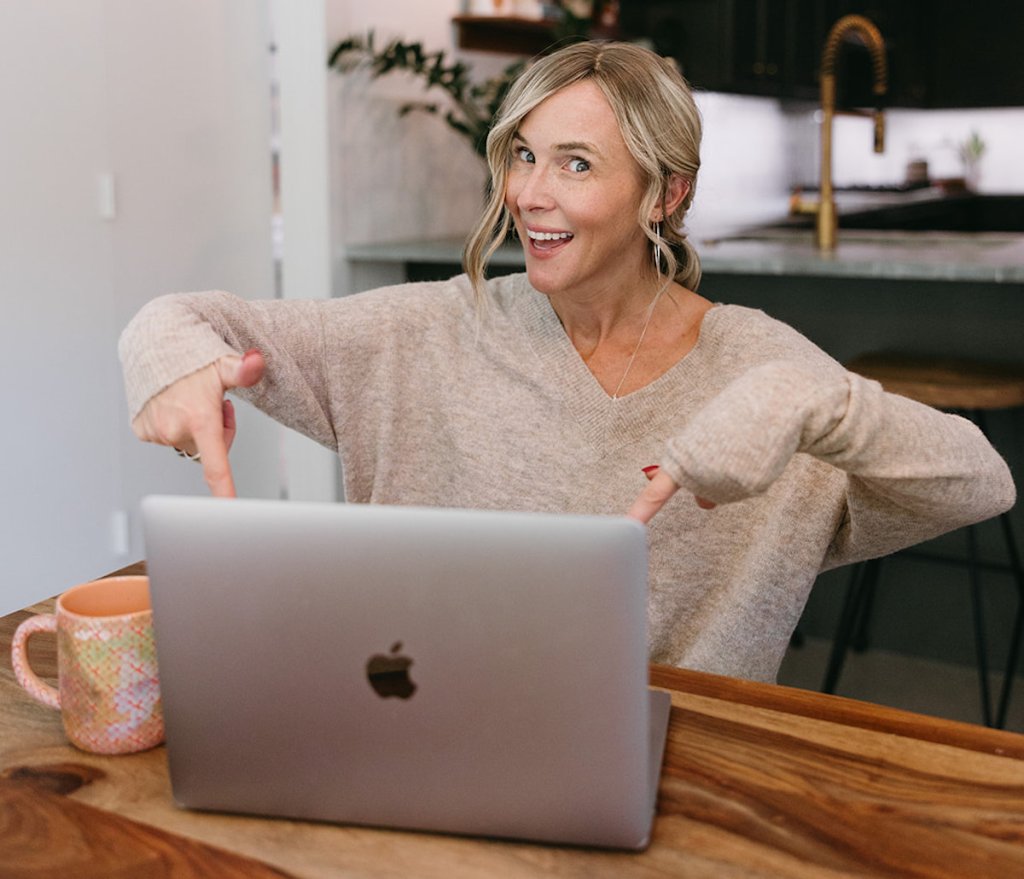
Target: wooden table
pixel 758 781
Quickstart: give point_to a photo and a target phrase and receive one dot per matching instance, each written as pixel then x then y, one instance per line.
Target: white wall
pixel 745 160
pixel 172 99
pixel 299 34
pixel 58 458
pixel 933 135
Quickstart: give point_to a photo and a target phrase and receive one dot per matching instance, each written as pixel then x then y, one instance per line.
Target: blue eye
pixel 524 155
pixel 578 165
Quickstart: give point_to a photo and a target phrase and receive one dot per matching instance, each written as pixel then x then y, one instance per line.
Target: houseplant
pixel 471 106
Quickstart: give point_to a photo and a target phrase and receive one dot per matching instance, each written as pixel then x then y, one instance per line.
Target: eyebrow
pixel 572 146
pixel 577 146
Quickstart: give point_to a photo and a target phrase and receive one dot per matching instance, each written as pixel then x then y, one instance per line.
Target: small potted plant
pixel 970 152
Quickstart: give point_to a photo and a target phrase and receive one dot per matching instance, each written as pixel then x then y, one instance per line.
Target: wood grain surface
pixel 44 834
pixel 759 781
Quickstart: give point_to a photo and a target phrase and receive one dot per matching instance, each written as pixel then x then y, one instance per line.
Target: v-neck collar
pixel 606 421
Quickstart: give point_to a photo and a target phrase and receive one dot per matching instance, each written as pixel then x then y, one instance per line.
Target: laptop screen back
pixel 463 671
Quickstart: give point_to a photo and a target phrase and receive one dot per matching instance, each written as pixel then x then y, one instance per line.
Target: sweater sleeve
pixel 175 335
pixel 912 472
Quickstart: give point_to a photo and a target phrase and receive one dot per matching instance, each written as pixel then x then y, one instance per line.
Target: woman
pixel 558 389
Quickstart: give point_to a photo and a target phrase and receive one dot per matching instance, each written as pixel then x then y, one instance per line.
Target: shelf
pixel 512 36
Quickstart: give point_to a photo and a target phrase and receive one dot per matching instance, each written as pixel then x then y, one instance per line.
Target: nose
pixel 533 190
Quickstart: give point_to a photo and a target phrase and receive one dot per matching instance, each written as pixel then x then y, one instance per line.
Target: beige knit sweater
pixel 428 400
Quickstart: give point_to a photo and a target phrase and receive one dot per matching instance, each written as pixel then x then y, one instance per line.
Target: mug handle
pixel 36 688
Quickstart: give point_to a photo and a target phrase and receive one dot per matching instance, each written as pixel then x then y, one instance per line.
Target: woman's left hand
pixel 740 442
pixel 656 494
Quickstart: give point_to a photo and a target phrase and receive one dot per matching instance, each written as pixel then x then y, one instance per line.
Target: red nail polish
pixel 650 470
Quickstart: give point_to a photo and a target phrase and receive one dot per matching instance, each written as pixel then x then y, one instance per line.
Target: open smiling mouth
pixel 546 242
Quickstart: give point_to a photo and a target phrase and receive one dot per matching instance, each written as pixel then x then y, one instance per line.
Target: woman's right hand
pixel 193 416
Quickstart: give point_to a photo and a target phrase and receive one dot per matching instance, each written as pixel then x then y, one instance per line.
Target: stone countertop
pixel 993 257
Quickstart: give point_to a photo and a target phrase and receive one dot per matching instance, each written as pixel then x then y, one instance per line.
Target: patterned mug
pixel 108 691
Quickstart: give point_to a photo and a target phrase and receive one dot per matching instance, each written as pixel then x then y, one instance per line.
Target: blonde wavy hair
pixel 660 124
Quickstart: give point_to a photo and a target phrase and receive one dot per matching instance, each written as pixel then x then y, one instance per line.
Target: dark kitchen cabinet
pixel 776 46
pixel 690 31
pixel 940 53
pixel 760 47
pixel 978 60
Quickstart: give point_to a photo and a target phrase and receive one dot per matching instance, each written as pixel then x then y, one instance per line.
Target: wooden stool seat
pixel 971 388
pixel 945 383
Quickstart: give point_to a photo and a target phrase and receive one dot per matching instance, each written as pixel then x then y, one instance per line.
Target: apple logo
pixel 389 673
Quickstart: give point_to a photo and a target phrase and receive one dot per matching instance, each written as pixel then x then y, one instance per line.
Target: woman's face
pixel 573 191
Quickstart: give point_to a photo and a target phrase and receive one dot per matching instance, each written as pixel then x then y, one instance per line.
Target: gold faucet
pixel 825 207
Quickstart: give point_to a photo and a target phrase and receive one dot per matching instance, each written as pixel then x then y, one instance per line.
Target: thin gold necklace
pixel 639 342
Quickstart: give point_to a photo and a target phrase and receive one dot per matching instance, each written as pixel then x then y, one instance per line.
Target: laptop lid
pixel 472 672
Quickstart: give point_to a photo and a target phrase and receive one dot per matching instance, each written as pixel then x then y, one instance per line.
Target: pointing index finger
pixel 212 447
pixel 655 495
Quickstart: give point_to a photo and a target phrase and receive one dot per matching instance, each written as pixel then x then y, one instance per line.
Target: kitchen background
pixel 755 148
pixel 138 137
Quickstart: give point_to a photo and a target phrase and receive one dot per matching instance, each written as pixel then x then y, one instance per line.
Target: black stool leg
pixel 859 641
pixel 981 647
pixel 1018 624
pixel 863 578
pixel 978 417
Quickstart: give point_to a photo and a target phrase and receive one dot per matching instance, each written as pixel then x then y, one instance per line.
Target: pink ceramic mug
pixel 108 691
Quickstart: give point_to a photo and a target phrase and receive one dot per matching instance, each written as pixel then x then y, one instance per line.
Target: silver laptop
pixel 469 672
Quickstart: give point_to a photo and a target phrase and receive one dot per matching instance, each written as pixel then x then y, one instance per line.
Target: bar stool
pixel 971 389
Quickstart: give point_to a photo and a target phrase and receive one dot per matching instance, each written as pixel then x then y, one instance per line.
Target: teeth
pixel 547 236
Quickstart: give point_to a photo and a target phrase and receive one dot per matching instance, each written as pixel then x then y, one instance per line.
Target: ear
pixel 676 189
